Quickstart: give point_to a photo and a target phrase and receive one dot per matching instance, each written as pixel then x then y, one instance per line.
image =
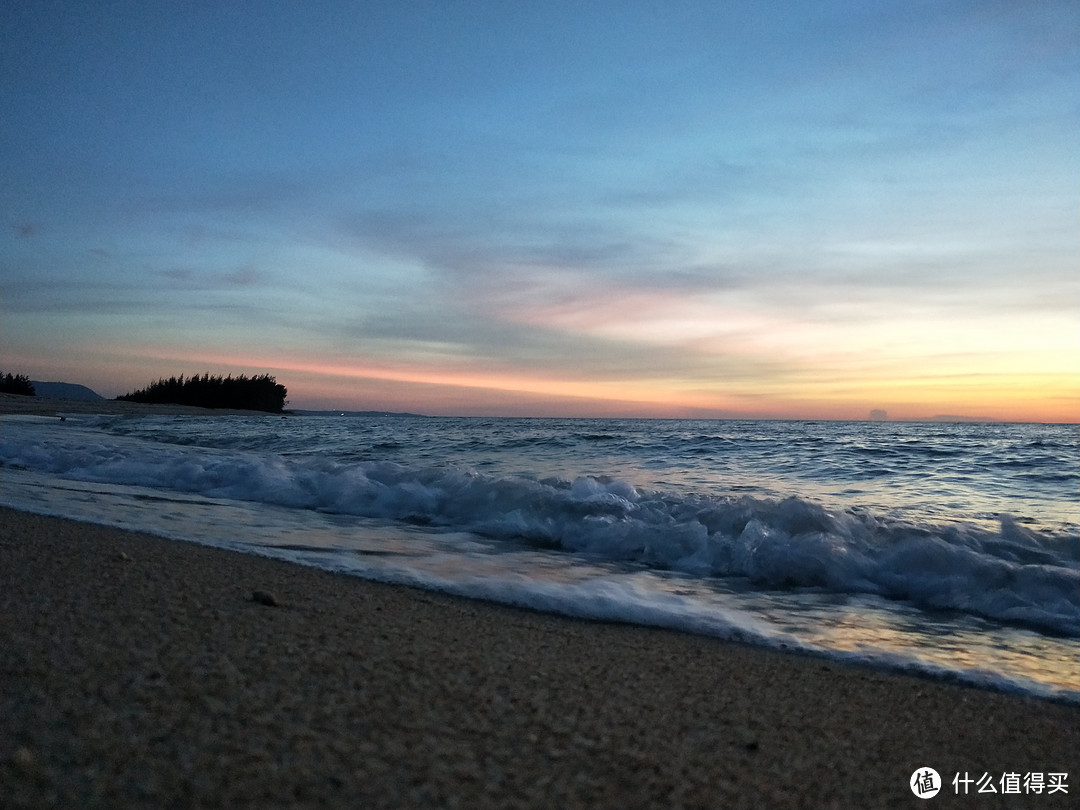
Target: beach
pixel 137 671
pixel 142 672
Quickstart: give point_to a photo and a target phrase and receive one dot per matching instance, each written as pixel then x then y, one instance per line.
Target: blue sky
pixel 780 209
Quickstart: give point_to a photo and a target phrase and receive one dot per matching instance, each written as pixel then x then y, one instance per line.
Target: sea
pixel 946 550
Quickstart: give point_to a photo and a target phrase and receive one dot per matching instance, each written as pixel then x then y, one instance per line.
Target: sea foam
pixel 1009 573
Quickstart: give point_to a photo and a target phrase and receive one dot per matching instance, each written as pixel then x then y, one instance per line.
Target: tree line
pixel 260 393
pixel 16 384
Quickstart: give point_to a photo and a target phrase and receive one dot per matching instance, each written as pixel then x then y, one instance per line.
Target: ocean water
pixel 951 550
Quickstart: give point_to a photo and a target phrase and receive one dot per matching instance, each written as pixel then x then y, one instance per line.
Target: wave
pixel 1010 574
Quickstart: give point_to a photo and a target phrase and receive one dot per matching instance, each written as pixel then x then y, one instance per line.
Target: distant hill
pixel 63 390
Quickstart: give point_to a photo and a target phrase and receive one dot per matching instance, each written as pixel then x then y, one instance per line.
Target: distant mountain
pixel 63 390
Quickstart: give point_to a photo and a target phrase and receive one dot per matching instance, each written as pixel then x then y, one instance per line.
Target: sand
pixel 141 672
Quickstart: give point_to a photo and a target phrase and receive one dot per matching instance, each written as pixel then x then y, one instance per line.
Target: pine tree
pixel 262 393
pixel 16 384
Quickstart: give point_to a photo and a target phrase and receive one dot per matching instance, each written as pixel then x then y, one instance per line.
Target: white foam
pixel 1012 574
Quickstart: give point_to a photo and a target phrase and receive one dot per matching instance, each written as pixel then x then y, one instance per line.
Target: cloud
pixel 241 277
pixel 251 193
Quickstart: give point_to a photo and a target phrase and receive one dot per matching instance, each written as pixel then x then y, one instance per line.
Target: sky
pixel 671 209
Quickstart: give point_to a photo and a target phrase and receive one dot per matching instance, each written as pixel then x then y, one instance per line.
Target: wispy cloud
pixel 191 279
pixel 722 203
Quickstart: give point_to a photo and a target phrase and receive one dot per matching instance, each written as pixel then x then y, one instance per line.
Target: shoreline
pixel 138 671
pixel 17 405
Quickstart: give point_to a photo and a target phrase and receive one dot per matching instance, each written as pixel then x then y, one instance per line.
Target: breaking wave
pixel 1009 574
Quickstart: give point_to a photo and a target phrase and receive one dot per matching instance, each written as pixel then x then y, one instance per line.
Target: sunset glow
pixel 582 209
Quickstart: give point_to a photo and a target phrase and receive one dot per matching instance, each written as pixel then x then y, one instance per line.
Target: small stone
pixel 24 758
pixel 264 598
pixel 124 556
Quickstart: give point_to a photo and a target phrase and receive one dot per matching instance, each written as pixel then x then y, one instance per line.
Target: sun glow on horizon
pixel 476 391
pixel 694 213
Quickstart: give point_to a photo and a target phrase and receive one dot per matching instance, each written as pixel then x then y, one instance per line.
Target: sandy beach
pixel 141 672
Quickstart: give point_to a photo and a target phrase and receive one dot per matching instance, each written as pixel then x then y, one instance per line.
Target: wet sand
pixel 141 672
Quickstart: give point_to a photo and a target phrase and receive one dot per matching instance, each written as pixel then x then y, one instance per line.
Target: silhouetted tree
pixel 16 384
pixel 261 393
